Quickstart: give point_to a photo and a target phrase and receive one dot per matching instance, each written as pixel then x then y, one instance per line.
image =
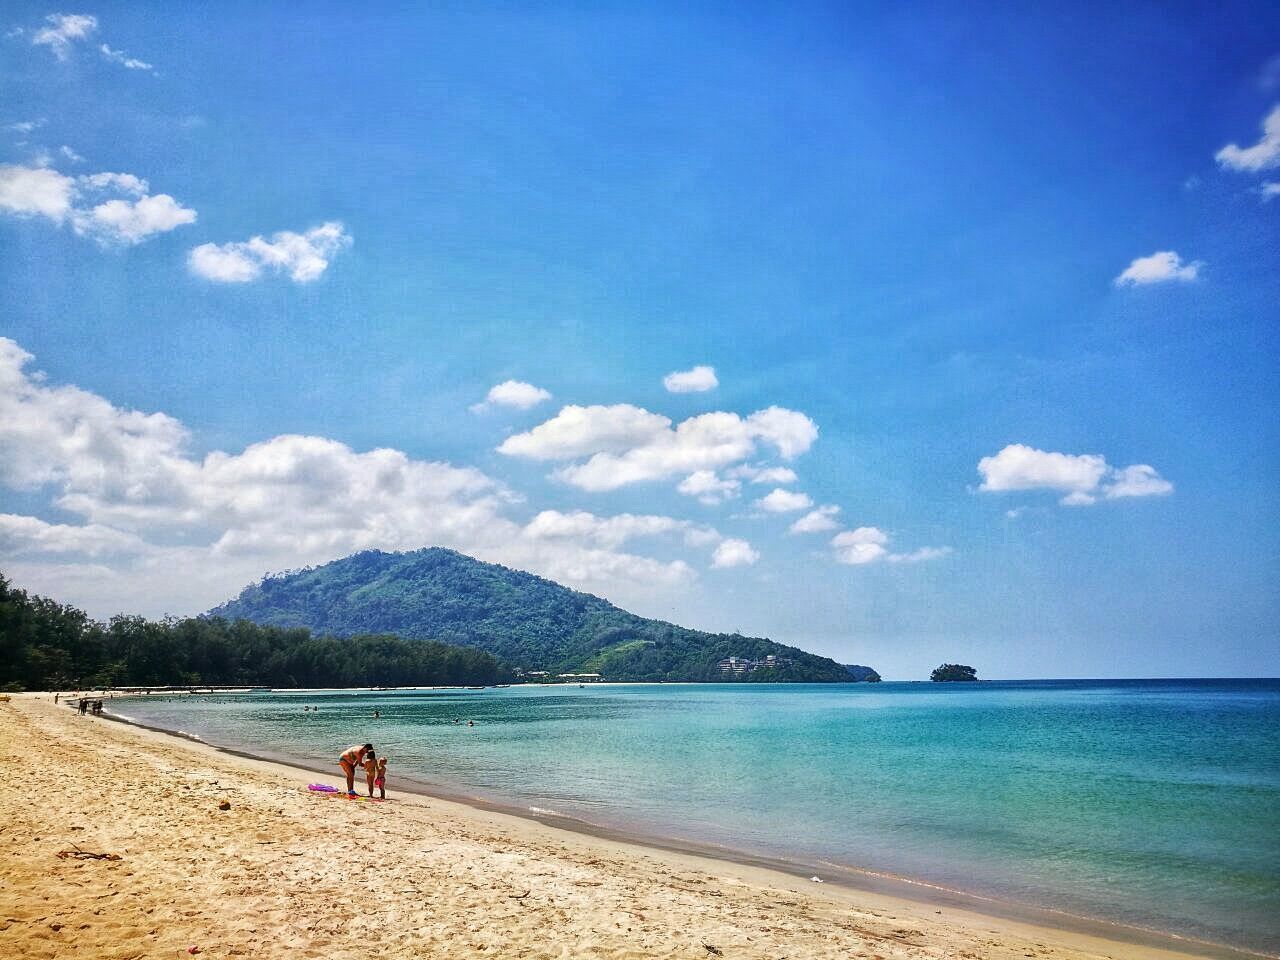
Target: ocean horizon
pixel 1153 803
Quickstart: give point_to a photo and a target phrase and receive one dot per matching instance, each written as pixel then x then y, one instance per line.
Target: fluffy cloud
pixel 1269 190
pixel 1263 155
pixel 64 29
pixel 734 553
pixel 784 501
pixel 30 535
pixel 1139 480
pixel 817 521
pixel 303 256
pixel 624 444
pixel 863 545
pixel 764 474
pixel 165 530
pixel 708 487
pixel 1160 267
pixel 512 393
pixel 1081 478
pixel 112 208
pixel 35 192
pixel 697 380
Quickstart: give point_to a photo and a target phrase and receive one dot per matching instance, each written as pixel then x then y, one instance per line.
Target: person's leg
pixel 349 769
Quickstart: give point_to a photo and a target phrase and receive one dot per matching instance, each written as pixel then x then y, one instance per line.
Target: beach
pixel 284 872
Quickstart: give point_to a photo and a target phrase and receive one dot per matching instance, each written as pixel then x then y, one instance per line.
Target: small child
pixel 370 770
pixel 380 781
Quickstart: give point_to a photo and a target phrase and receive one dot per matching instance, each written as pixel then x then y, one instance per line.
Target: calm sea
pixel 1152 803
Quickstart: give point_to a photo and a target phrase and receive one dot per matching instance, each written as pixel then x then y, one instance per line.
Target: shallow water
pixel 1153 803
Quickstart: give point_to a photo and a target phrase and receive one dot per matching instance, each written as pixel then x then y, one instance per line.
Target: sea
pixel 1154 804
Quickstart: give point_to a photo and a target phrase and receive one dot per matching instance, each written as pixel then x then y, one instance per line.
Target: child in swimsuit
pixel 370 771
pixel 380 781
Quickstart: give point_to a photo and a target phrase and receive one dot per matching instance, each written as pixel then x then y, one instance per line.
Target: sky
pixel 904 333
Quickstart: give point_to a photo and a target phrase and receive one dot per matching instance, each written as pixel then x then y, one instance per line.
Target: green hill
pixel 531 623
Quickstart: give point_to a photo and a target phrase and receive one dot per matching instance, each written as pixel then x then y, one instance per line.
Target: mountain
pixel 531 623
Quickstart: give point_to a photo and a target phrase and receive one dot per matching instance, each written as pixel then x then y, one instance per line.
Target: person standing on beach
pixel 352 758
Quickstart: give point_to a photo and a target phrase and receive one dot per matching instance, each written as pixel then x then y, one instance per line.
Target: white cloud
pixel 70 154
pixel 26 126
pixel 35 191
pixel 624 444
pixel 1081 478
pixel 1139 480
pixel 132 221
pixel 303 256
pixel 817 521
pixel 708 487
pixel 734 553
pixel 757 474
pixel 920 556
pixel 64 29
pixel 1263 155
pixel 1160 267
pixel 863 545
pixel 697 380
pixel 866 545
pixel 168 530
pixel 606 531
pixel 580 431
pixel 1269 190
pixel 120 57
pixel 783 501
pixel 29 535
pixel 512 393
pixel 41 192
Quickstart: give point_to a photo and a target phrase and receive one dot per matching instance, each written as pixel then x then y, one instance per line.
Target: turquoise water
pixel 1153 803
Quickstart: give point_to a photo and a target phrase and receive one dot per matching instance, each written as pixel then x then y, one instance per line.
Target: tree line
pixel 46 645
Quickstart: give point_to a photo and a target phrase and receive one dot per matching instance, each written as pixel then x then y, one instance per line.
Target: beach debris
pixel 78 854
pixel 713 950
pixel 224 804
pixel 193 949
pixel 817 880
pixel 518 896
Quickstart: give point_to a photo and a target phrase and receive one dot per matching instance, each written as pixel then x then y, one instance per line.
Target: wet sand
pixel 284 872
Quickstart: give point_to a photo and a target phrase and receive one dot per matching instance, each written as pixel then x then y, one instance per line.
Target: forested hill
pixel 529 622
pixel 46 645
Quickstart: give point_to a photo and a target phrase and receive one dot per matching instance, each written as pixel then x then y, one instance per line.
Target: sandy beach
pixel 283 872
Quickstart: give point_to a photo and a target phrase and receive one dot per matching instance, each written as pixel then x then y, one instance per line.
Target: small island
pixel 950 672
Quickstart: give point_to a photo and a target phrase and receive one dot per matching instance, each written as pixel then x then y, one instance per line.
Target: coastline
pixel 606 893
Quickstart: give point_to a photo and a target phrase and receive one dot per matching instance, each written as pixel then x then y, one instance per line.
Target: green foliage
pixel 525 620
pixel 45 645
pixel 864 674
pixel 953 671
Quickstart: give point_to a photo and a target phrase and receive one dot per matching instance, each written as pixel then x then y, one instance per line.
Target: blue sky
pixel 982 263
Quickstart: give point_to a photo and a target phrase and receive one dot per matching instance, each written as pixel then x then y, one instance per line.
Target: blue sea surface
pixel 1154 803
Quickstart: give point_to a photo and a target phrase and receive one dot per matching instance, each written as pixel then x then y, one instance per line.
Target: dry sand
pixel 284 873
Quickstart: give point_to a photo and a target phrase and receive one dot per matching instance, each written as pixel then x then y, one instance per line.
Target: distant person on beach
pixel 370 770
pixel 84 706
pixel 352 758
pixel 380 781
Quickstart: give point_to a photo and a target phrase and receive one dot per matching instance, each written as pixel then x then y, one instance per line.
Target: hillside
pixel 529 622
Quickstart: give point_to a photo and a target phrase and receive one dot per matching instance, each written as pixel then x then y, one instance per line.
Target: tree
pixel 953 671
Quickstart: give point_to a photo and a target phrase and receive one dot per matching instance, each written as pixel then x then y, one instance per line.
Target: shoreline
pixel 845 876
pixel 940 921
